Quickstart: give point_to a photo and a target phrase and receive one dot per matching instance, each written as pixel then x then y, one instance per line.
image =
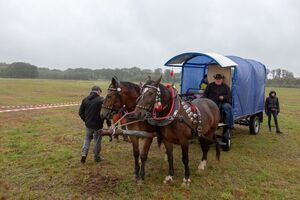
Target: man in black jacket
pixel 220 93
pixel 272 108
pixel 89 112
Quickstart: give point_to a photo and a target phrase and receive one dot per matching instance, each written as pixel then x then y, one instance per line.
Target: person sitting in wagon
pixel 203 83
pixel 220 93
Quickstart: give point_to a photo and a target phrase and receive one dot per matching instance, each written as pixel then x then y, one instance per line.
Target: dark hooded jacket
pixel 213 91
pixel 89 111
pixel 272 103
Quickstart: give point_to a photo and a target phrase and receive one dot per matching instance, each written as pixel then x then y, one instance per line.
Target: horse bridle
pixel 112 109
pixel 141 97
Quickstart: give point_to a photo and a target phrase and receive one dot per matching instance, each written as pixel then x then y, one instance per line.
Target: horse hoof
pixel 135 178
pixel 202 165
pixel 186 182
pixel 168 179
pixel 140 182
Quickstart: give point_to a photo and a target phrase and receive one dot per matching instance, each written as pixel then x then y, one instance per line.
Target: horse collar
pixel 194 115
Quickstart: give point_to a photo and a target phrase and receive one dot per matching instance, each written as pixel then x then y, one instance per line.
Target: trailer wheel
pixel 254 125
pixel 227 140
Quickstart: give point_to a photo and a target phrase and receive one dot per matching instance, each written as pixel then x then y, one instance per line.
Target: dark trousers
pixel 275 114
pixel 228 112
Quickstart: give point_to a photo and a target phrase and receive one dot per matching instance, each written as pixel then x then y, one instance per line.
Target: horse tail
pixel 218 151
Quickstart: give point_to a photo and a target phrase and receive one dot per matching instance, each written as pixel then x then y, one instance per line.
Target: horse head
pixel 120 96
pixel 112 101
pixel 149 99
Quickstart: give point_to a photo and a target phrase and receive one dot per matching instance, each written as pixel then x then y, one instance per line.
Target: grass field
pixel 40 152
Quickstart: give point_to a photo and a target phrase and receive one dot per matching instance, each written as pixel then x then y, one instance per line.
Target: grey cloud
pixel 110 33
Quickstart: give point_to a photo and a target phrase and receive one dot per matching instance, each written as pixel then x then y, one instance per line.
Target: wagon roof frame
pixel 182 59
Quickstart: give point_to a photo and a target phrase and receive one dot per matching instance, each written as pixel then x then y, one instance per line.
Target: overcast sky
pixel 146 33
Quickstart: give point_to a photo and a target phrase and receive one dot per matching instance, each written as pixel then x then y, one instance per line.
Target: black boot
pixel 98 158
pixel 277 128
pixel 83 158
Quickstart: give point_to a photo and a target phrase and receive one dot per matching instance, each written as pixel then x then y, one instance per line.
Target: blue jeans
pixel 228 112
pixel 92 134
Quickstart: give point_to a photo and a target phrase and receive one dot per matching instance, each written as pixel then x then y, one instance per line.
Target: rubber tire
pixel 254 125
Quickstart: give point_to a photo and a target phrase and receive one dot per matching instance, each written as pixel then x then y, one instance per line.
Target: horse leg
pixel 169 151
pixel 136 154
pixel 144 155
pixel 205 147
pixel 185 160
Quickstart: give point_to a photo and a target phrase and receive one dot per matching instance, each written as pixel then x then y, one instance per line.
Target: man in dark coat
pixel 220 93
pixel 89 112
pixel 272 108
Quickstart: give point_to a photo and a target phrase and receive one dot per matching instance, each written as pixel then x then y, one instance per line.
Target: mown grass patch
pixel 40 153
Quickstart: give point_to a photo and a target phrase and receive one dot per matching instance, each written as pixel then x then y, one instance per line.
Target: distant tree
pixel 167 76
pixel 273 72
pixel 21 70
pixel 268 71
pixel 278 73
pixel 157 73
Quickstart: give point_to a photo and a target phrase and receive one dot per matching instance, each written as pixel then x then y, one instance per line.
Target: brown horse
pixel 122 96
pixel 179 122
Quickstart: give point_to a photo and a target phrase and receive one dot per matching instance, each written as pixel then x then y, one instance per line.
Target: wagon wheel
pixel 254 125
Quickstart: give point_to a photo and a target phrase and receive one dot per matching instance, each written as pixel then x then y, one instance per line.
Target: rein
pixel 173 97
pixel 118 124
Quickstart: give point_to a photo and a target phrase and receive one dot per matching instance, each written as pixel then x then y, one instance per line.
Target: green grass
pixel 40 152
pixel 34 91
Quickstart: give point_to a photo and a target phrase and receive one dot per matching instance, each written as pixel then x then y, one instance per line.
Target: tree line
pixel 282 78
pixel 134 74
pixel 276 77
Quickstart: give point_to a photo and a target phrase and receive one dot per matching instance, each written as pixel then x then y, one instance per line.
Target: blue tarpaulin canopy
pixel 248 80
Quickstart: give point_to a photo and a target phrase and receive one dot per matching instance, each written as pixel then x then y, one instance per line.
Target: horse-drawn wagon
pixel 245 77
pixel 158 111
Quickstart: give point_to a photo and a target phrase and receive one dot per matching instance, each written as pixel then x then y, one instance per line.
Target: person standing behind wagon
pixel 89 112
pixel 272 108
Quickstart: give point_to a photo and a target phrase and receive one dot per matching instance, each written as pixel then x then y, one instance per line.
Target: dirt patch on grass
pixel 94 183
pixel 5 186
pixel 99 183
pixel 6 189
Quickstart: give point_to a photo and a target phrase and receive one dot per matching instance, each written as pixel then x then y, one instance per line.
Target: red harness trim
pixel 170 111
pixel 116 117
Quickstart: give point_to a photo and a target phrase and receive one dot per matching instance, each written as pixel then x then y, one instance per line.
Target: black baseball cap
pixel 96 88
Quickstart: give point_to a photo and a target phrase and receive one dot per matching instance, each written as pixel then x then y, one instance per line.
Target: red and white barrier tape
pixel 35 107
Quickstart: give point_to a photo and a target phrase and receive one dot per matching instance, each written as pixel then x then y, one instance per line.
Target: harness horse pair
pixel 173 120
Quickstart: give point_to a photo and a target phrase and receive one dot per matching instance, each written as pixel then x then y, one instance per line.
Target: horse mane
pixel 131 86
